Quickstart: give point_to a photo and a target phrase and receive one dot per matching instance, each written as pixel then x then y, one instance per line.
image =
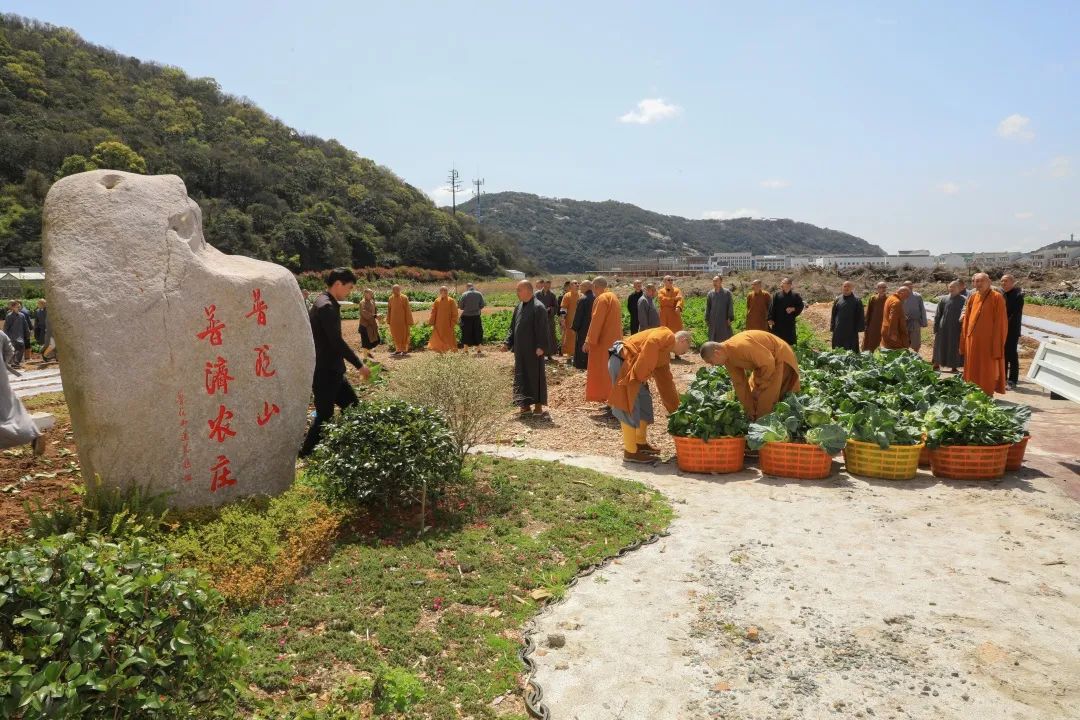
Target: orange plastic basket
pixel 718 455
pixel 898 462
pixel 795 460
pixel 1016 454
pixel 969 462
pixel 924 457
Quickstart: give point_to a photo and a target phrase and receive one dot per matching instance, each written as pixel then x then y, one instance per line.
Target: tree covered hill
pixel 266 191
pixel 565 235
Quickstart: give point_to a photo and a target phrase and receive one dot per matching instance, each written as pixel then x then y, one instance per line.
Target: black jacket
pixel 783 321
pixel 1014 309
pixel 331 350
pixel 631 306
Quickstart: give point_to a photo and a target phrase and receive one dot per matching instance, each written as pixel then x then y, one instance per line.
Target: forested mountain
pixel 564 235
pixel 266 191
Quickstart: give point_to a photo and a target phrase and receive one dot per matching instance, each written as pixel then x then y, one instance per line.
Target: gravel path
pixel 841 598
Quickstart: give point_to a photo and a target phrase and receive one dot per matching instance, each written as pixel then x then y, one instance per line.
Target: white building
pixel 915 261
pixel 731 261
pixel 799 261
pixel 843 262
pixel 1058 256
pixel 770 262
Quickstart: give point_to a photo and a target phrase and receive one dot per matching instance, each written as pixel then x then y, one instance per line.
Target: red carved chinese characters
pixel 269 410
pixel 262 362
pixel 219 427
pixel 213 326
pixel 217 376
pixel 258 307
pixel 221 475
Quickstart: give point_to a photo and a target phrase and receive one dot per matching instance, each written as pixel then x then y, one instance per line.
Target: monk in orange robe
pixel 982 337
pixel 757 307
pixel 875 318
pixel 399 318
pixel 604 329
pixel 443 320
pixel 671 303
pixel 567 308
pixel 894 332
pixel 638 358
pixel 762 367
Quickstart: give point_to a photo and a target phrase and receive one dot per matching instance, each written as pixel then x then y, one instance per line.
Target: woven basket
pixel 1016 454
pixel 795 460
pixel 969 462
pixel 924 457
pixel 719 455
pixel 898 462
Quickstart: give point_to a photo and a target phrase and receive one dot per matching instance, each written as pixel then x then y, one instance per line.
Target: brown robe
pixel 875 316
pixel 772 367
pixel 757 310
pixel 982 341
pixel 894 334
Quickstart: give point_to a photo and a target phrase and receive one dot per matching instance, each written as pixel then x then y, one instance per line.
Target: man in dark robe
pixel 947 329
pixel 551 306
pixel 1014 311
pixel 528 339
pixel 786 306
pixel 632 306
pixel 719 311
pixel 580 325
pixel 847 319
pixel 875 315
pixel 648 314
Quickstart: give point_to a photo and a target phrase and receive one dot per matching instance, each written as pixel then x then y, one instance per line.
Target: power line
pixel 454 185
pixel 477 193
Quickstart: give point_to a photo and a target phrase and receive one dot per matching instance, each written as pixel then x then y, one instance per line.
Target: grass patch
pixel 254 549
pixel 53 403
pixel 429 627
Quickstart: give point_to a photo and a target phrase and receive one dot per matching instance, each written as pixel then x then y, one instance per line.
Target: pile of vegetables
pixel 889 397
pixel 709 409
pixel 799 419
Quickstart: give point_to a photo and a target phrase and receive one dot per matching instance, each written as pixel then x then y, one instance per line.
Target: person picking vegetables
pixel 632 361
pixel 762 366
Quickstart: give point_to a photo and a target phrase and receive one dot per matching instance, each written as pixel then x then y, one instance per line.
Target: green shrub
pixel 386 453
pixel 396 689
pixel 91 628
pixel 114 512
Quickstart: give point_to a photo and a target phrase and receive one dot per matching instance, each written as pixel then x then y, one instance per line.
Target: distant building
pixel 1057 256
pixel 515 274
pixel 770 262
pixel 843 262
pixel 731 261
pixel 913 252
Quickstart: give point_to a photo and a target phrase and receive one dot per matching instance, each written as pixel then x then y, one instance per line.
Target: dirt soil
pixel 1052 312
pixel 847 597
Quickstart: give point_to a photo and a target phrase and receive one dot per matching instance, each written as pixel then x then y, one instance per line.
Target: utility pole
pixel 454 185
pixel 476 193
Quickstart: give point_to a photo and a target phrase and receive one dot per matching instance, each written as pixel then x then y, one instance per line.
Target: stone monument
pixel 186 370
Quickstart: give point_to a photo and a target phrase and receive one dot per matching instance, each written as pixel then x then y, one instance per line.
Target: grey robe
pixel 947 331
pixel 528 333
pixel 915 312
pixel 648 315
pixel 719 314
pixel 847 322
pixel 16 425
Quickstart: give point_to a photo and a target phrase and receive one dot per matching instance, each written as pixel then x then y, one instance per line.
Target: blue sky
pixel 938 125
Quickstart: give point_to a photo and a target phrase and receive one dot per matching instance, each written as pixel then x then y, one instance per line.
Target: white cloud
pixel 1025 215
pixel 651 110
pixel 774 184
pixel 948 188
pixel 1015 127
pixel 1061 167
pixel 441 196
pixel 731 214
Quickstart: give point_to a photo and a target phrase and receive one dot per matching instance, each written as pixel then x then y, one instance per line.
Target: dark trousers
pixel 329 391
pixel 1012 358
pixel 20 349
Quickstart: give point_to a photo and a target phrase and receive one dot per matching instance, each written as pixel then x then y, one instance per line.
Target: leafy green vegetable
pixel 709 409
pixel 975 420
pixel 799 418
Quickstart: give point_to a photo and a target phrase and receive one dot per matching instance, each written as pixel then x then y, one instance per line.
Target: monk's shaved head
pixel 713 353
pixel 909 283
pixel 903 291
pixel 683 340
pixel 525 284
pixel 586 285
pixel 882 286
pixel 599 282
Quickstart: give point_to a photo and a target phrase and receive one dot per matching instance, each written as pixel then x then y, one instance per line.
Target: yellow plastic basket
pixel 898 462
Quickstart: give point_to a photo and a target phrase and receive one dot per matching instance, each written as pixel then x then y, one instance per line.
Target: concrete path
pixel 1037 328
pixel 842 598
pixel 37 382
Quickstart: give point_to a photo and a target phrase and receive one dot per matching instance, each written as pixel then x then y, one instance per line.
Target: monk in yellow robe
pixel 443 320
pixel 567 308
pixel 638 358
pixel 762 366
pixel 982 336
pixel 671 301
pixel 757 307
pixel 875 318
pixel 894 330
pixel 604 329
pixel 399 318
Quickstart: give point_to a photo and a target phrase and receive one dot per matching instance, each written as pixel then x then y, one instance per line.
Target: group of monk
pixel 979 331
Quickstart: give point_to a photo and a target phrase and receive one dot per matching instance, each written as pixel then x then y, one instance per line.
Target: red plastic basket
pixel 969 462
pixel 801 461
pixel 1016 454
pixel 924 457
pixel 718 455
